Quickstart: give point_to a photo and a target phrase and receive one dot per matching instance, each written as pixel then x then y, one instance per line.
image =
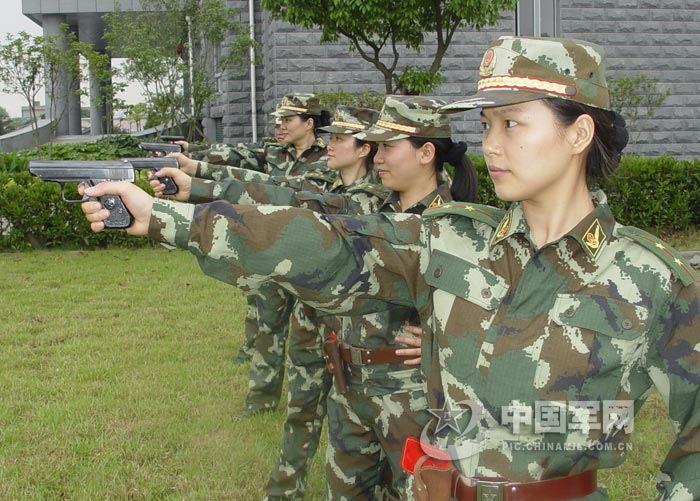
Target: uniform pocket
pixel 603 315
pixel 466 280
pixel 590 346
pixel 466 298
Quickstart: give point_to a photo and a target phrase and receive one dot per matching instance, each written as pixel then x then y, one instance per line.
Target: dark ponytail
pixel 322 120
pixel 610 138
pixel 464 180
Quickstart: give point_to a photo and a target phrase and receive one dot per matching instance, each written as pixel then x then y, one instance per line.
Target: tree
pixel 636 98
pixel 158 58
pixel 5 122
pixel 375 27
pixel 67 62
pixel 22 69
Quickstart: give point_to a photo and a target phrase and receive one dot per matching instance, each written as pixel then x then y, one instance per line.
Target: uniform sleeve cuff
pixel 201 191
pixel 170 222
pixel 203 170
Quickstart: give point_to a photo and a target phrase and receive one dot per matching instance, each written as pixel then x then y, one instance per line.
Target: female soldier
pixel 301 117
pixel 545 327
pixel 365 438
pixel 350 170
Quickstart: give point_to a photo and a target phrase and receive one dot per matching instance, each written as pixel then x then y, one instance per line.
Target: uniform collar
pixel 338 183
pixel 591 233
pixel 317 145
pixel 438 196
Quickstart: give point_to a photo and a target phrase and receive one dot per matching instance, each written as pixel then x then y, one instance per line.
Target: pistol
pixel 89 172
pixel 334 364
pixel 161 148
pixel 154 164
pixel 172 138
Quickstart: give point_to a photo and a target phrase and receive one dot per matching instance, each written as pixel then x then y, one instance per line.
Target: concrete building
pixel 84 18
pixel 657 39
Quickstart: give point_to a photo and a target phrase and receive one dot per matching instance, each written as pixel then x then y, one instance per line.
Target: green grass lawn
pixel 117 382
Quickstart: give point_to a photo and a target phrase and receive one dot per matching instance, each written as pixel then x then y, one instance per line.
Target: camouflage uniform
pixel 603 327
pixel 270 306
pixel 584 326
pixel 365 441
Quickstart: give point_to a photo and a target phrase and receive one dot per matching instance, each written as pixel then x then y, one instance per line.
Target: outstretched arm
pixel 338 264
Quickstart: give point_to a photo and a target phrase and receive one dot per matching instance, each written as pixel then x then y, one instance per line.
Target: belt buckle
pixel 490 490
pixel 356 356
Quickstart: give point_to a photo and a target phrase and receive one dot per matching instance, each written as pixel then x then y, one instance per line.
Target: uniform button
pixel 438 272
pixel 569 312
pixel 486 293
pixel 627 324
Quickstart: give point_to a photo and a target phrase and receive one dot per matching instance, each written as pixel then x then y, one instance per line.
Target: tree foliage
pixel 156 46
pixel 637 99
pixel 30 63
pixel 376 29
pixel 22 67
pixel 5 121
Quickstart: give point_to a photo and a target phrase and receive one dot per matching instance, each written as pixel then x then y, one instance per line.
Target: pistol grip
pixel 170 186
pixel 119 215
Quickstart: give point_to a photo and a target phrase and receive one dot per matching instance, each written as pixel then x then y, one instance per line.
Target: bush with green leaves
pixel 331 99
pixel 658 194
pixel 661 195
pixel 32 212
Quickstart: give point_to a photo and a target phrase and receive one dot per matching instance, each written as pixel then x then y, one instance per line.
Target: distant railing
pixel 25 137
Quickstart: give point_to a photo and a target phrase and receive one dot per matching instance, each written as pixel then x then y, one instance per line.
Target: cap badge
pixel 488 62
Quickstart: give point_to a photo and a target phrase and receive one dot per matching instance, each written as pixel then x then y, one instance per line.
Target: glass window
pixel 537 18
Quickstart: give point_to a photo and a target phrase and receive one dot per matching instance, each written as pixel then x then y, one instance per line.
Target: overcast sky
pixel 12 21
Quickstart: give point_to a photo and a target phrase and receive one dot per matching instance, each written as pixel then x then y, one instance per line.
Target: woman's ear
pixel 427 153
pixel 581 133
pixel 364 150
pixel 309 124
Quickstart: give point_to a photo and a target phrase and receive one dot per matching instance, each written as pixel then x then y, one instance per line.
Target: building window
pixel 219 130
pixel 537 18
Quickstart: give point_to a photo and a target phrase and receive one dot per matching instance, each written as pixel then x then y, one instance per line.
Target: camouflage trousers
pixel 366 433
pixel 274 307
pixel 308 384
pixel 245 353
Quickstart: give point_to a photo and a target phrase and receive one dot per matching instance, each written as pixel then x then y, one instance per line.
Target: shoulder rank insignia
pixel 673 259
pixel 483 213
pixel 319 175
pixel 376 190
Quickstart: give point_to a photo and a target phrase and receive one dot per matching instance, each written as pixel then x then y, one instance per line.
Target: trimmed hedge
pixel 32 213
pixel 661 195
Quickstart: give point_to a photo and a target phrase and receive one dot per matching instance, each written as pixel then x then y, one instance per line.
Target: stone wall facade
pixel 658 39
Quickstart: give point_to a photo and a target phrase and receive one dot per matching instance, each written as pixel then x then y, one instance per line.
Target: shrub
pixel 32 212
pixel 661 195
pixel 656 194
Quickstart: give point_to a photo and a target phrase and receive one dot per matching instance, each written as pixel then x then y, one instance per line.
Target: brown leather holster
pixel 334 364
pixel 432 482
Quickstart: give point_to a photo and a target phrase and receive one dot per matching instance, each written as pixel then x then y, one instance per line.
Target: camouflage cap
pixel 408 116
pixel 518 69
pixel 297 104
pixel 351 119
